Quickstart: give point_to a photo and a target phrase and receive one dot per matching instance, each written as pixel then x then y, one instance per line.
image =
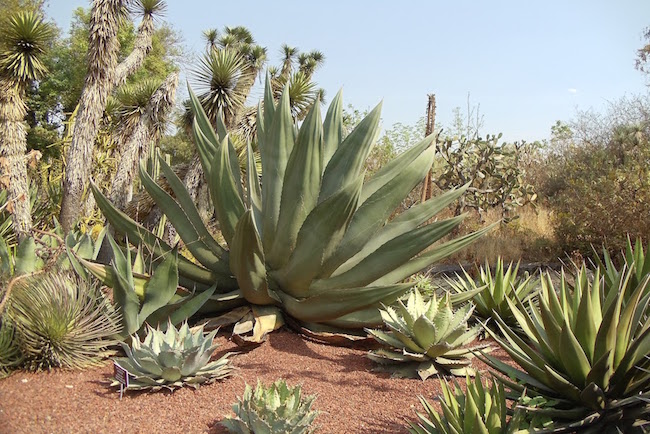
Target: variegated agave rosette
pixel 173 358
pixel 425 338
pixel 312 241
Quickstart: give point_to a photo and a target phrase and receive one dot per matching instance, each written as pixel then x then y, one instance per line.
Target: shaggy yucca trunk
pixel 103 74
pixel 13 169
pixel 138 144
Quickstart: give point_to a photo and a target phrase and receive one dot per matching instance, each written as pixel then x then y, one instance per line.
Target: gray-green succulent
pixel 276 409
pixel 173 358
pixel 312 240
pixel 10 357
pixel 425 338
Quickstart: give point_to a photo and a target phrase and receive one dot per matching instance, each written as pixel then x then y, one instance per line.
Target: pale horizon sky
pixel 527 64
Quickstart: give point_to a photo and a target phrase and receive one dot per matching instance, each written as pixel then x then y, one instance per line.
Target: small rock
pixel 24 380
pixel 69 386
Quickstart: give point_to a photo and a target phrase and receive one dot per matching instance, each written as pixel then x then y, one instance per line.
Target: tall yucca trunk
pixel 138 143
pixel 103 75
pixel 13 169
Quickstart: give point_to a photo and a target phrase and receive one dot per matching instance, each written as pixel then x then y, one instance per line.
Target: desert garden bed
pixel 351 397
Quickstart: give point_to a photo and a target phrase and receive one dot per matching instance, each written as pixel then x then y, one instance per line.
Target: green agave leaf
pixel 389 256
pixel 332 129
pixel 575 360
pixel 186 228
pixel 26 259
pixel 138 234
pixel 275 149
pixel 247 261
pixel 300 188
pixel 334 303
pixel 227 201
pixel 318 237
pixel 426 259
pixel 253 183
pixel 161 287
pixel 189 208
pixel 6 264
pixel 402 224
pixel 347 163
pixel 395 167
pixel 373 212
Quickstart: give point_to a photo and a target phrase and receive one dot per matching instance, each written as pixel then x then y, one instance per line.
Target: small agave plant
pixel 425 338
pixel 478 409
pixel 494 290
pixel 172 359
pixel 277 409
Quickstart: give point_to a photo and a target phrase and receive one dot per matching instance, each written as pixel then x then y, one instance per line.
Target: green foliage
pixel 492 170
pixel 276 409
pixel 61 321
pixel 313 238
pixel 585 350
pixel 143 297
pixel 425 338
pixel 596 177
pixel 172 359
pixel 477 409
pixel 496 289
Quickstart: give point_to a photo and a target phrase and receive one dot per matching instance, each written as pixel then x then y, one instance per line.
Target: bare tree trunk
pixel 103 74
pixel 427 186
pixel 13 169
pixel 138 143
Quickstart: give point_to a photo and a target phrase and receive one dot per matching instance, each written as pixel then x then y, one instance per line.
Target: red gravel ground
pixel 351 397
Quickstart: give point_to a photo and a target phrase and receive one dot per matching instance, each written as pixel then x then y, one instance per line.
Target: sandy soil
pixel 351 397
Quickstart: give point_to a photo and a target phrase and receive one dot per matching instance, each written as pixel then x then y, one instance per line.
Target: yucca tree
pixel 104 74
pixel 313 241
pixel 151 118
pixel 25 39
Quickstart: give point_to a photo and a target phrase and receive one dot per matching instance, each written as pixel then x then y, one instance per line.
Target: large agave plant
pixel 313 240
pixel 173 358
pixel 495 288
pixel 62 321
pixel 425 338
pixel 276 409
pixel 586 350
pixel 477 409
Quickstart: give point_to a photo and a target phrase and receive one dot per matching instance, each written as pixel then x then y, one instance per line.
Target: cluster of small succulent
pixel 60 320
pixel 173 358
pixel 276 409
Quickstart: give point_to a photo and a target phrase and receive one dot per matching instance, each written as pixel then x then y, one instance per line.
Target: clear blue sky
pixel 527 63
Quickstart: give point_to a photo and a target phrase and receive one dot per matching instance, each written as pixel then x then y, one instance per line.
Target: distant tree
pixel 643 53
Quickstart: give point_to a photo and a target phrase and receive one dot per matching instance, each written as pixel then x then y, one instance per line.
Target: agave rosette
pixel 173 358
pixel 276 409
pixel 586 350
pixel 480 408
pixel 494 288
pixel 425 338
pixel 312 240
